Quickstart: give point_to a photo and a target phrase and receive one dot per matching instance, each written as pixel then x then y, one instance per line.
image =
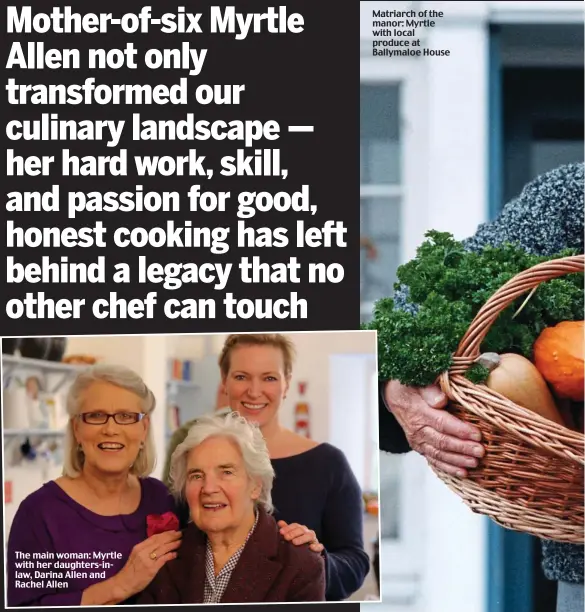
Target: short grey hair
pixel 250 441
pixel 119 376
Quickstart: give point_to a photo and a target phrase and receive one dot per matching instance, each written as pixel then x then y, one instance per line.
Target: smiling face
pixel 256 383
pixel 219 491
pixel 110 448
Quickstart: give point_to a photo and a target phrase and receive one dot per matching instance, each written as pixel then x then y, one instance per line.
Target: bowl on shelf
pixel 35 348
pixel 56 349
pixel 9 345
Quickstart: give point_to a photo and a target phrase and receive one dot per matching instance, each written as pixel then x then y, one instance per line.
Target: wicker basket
pixel 531 477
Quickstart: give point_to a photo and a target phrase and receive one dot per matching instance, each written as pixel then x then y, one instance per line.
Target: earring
pixel 142 446
pixel 79 448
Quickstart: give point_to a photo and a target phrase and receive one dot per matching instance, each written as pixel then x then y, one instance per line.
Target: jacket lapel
pixel 195 575
pixel 258 565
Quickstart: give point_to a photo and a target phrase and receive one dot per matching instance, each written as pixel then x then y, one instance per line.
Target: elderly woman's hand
pixel 145 561
pixel 445 441
pixel 299 534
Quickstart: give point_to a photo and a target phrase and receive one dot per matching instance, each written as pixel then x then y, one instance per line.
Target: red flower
pixel 159 523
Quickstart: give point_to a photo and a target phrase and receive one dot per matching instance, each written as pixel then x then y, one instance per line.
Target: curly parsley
pixel 449 285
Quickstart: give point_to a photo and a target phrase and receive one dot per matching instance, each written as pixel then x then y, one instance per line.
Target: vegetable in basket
pixel 518 379
pixel 558 355
pixel 447 287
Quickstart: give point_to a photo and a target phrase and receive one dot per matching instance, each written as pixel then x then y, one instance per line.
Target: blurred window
pixel 380 191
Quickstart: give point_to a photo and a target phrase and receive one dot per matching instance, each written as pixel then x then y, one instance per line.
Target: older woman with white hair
pixel 84 535
pixel 232 551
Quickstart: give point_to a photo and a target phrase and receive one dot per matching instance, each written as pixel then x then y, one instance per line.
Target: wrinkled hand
pixel 299 534
pixel 141 568
pixel 445 441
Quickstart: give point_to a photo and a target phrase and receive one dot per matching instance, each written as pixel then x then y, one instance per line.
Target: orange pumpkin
pixel 558 355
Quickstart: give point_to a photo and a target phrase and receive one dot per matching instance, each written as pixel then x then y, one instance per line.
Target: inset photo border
pixel 184 469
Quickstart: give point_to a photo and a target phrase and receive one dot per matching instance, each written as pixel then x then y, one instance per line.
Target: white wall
pixel 444 140
pixel 123 350
pixel 350 427
pixel 455 553
pixel 313 366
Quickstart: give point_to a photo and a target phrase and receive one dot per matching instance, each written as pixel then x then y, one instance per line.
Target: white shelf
pixel 11 364
pixel 34 432
pixel 42 364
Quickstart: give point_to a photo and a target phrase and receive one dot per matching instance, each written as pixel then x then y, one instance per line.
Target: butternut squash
pixel 517 379
pixel 558 355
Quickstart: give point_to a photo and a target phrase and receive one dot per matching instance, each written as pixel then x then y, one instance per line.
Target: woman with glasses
pixel 82 538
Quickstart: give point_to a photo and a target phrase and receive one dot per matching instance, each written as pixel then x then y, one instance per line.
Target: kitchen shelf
pixel 182 384
pixel 42 364
pixel 11 363
pixel 53 433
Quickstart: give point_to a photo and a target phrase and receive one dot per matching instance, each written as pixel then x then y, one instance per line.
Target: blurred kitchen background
pixel 445 142
pixel 333 398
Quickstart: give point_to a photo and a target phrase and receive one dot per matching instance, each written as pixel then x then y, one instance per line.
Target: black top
pixel 318 489
pixel 392 436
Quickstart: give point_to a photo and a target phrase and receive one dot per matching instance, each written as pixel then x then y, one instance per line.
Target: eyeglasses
pixel 101 418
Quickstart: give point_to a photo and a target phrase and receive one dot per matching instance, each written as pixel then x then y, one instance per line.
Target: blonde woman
pixel 86 532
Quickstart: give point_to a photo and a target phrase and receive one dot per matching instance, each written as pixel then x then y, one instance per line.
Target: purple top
pixel 69 547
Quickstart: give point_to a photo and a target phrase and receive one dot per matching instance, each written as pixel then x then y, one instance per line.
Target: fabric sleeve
pixel 346 561
pixel 28 535
pixel 392 436
pixel 310 585
pixel 563 561
pixel 160 499
pixel 161 590
pixel 544 219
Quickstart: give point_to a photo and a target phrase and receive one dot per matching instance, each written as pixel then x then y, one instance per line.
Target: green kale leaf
pixel 448 285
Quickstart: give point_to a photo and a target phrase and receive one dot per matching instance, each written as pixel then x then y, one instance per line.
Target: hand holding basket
pixel 531 478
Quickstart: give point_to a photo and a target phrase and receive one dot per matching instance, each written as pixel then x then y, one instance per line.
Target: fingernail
pixel 461 473
pixel 478 451
pixel 471 463
pixel 476 435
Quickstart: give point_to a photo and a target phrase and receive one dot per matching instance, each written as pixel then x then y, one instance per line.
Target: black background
pixel 296 79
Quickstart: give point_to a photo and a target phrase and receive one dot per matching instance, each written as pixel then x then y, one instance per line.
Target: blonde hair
pixel 250 441
pixel 275 340
pixel 124 378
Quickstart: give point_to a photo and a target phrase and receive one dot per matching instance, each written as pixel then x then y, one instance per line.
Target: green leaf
pixel 449 286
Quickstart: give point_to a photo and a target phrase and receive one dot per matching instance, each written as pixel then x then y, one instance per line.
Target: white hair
pixel 250 441
pixel 119 376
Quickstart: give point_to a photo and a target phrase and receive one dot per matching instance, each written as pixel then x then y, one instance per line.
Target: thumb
pixel 433 396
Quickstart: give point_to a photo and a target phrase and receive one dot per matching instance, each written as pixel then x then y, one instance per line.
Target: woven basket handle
pixel 524 281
